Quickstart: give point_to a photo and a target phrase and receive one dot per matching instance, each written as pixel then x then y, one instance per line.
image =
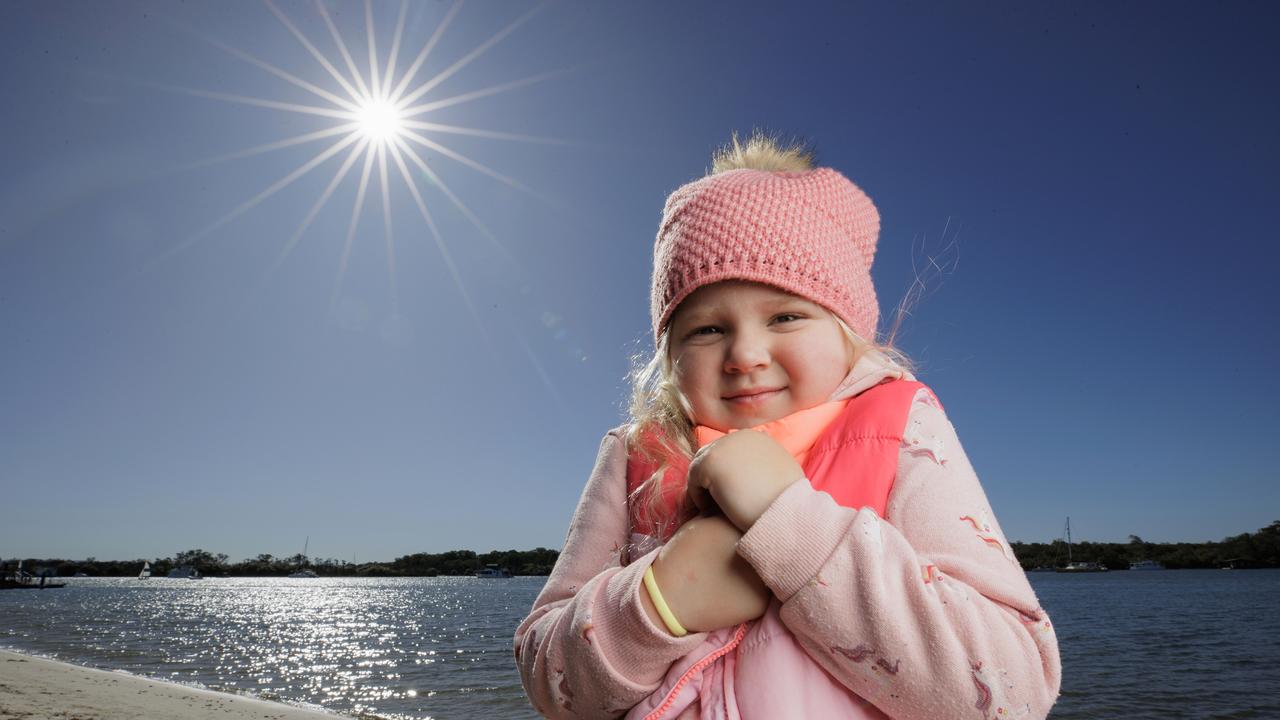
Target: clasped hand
pixel 704 581
pixel 742 474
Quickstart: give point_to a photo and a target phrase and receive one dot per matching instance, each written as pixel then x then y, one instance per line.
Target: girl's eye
pixel 704 330
pixel 786 317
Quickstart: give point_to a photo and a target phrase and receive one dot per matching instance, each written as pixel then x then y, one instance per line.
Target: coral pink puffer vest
pixel 757 670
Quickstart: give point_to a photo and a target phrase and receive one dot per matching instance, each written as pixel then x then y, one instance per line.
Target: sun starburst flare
pixel 379 121
pixel 378 116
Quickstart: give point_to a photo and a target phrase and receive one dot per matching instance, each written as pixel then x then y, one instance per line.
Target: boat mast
pixel 1068 539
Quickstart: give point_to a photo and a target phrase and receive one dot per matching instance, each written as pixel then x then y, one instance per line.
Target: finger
pixel 698 496
pixel 704 501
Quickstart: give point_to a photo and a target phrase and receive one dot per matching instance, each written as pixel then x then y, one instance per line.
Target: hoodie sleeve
pixel 587 648
pixel 925 614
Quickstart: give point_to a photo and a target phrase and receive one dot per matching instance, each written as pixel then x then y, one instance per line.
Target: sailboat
pixel 1078 567
pixel 146 570
pixel 304 572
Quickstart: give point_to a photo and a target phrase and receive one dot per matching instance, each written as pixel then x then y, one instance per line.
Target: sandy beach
pixel 33 688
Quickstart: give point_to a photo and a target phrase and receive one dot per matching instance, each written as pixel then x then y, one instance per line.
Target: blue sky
pixel 1095 182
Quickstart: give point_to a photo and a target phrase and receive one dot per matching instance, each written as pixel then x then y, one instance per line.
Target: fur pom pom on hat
pixel 810 232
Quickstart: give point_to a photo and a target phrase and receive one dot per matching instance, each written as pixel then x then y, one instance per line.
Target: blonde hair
pixel 661 427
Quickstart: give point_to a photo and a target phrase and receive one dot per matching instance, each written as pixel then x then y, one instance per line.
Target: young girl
pixel 788 528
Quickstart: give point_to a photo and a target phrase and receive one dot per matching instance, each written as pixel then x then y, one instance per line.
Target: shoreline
pixel 37 688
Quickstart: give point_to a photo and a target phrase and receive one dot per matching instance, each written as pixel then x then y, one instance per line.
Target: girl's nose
pixel 746 352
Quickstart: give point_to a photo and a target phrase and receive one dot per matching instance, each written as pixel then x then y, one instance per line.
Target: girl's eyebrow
pixel 697 314
pixel 703 316
pixel 781 301
pixel 690 320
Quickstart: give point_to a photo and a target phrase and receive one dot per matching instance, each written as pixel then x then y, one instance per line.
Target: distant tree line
pixel 1248 550
pixel 538 561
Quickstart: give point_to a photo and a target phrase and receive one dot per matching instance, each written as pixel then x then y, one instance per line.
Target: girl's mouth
pixel 754 398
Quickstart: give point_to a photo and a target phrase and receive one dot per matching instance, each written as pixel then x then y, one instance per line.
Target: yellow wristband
pixel 660 604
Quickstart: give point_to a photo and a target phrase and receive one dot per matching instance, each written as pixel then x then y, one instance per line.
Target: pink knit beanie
pixel 810 233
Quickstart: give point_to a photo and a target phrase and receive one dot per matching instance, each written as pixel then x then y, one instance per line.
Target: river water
pixel 1140 645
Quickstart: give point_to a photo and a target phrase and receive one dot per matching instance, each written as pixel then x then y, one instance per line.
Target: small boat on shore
pixel 303 572
pixel 185 572
pixel 1146 565
pixel 493 571
pixel 1078 567
pixel 1082 567
pixel 29 583
pixel 20 579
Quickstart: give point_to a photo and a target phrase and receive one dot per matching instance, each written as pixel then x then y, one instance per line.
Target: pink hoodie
pixel 849 450
pixel 925 614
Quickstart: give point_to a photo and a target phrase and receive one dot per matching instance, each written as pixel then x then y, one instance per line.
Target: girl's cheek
pixel 688 385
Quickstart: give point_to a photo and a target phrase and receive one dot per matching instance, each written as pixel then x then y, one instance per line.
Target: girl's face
pixel 747 353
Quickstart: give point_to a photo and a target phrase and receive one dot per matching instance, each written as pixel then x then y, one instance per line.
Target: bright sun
pixel 380 122
pixel 378 110
pixel 377 113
